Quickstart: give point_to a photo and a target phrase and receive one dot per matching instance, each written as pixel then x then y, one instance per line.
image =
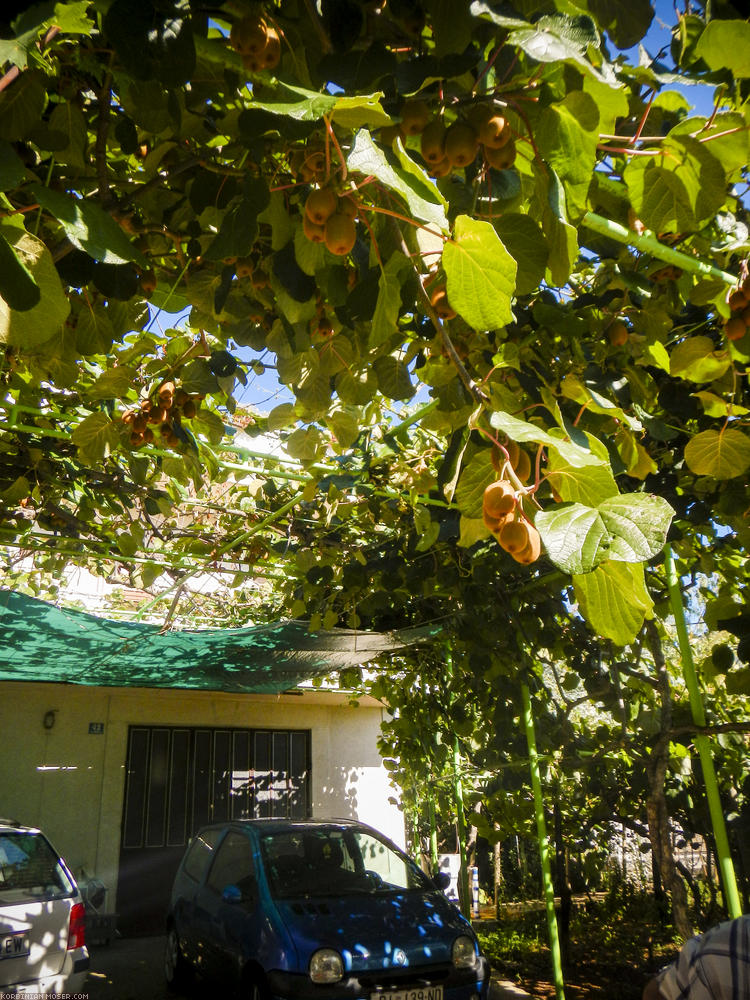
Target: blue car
pixel 316 910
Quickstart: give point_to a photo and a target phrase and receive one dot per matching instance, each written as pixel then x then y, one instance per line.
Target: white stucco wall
pixel 70 782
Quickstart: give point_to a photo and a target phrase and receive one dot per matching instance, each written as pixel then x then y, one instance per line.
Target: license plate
pixel 14 946
pixel 417 993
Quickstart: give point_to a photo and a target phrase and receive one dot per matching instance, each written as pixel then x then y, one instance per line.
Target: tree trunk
pixel 656 804
pixel 498 869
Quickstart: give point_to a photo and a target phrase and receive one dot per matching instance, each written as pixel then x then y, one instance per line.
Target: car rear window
pixel 30 869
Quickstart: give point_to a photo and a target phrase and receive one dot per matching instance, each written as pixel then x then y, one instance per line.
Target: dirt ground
pixel 132 969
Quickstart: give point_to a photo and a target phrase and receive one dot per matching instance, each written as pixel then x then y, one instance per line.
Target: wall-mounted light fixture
pixel 49 718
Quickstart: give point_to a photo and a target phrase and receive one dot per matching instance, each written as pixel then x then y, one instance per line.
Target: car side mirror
pixel 231 894
pixel 442 880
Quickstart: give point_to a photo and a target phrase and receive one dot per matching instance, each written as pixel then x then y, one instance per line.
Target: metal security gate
pixel 179 779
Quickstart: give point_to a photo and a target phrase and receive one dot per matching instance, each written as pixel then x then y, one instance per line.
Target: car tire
pixel 253 986
pixel 177 971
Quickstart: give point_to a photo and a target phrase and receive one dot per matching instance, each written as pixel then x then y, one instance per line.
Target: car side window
pixel 233 865
pixel 201 853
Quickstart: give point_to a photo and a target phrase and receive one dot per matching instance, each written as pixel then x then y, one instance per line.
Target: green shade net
pixel 41 642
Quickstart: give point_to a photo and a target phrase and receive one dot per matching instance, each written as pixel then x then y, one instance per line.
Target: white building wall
pixel 70 781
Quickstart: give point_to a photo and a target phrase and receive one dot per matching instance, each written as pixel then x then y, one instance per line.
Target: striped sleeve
pixel 714 966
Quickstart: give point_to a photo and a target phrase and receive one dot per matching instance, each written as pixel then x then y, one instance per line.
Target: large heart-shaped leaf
pixel 721 454
pixel 522 431
pixel 40 322
pixel 89 227
pixel 614 600
pixel 628 528
pixel 481 274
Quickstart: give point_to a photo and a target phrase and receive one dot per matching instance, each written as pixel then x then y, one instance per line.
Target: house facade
pixel 120 778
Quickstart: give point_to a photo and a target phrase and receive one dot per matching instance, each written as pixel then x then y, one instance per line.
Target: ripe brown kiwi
pixel 432 142
pixel 314 232
pixel 270 55
pixel 498 455
pixel 461 144
pixel 348 206
pixel 495 132
pixel 248 36
pixel 737 300
pixel 499 498
pixel 166 393
pixel 617 333
pixel 414 116
pixel 441 169
pixel 503 158
pixel 514 536
pixel 340 234
pixel 148 283
pixel 532 550
pixel 320 205
pixel 522 466
pixel 440 303
pixel 389 133
pixel 735 328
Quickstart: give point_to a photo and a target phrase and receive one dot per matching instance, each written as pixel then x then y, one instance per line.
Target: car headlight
pixel 464 953
pixel 326 966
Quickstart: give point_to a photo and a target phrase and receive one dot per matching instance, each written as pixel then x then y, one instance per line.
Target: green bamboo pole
pixel 541 829
pixel 458 798
pixel 702 743
pixel 458 793
pixel 648 243
pixel 434 859
pixel 415 831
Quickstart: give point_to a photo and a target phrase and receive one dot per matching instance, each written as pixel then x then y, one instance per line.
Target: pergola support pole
pixel 541 829
pixel 702 743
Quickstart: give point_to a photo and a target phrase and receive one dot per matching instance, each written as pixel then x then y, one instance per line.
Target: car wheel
pixel 177 971
pixel 253 986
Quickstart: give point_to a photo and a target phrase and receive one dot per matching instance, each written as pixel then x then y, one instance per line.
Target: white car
pixel 42 917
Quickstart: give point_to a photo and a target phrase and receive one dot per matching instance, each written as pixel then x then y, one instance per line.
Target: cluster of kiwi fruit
pixel 163 410
pixel 736 326
pixel 248 267
pixel 504 517
pixel 331 219
pixel 501 511
pixel 453 147
pixel 257 42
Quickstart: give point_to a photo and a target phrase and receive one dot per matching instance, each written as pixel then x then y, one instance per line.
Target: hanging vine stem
pixel 102 130
pixel 332 136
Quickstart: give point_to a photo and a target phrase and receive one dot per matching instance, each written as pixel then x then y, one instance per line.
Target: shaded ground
pixel 612 951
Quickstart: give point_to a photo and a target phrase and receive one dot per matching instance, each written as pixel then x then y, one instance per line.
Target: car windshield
pixel 330 861
pixel 30 869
